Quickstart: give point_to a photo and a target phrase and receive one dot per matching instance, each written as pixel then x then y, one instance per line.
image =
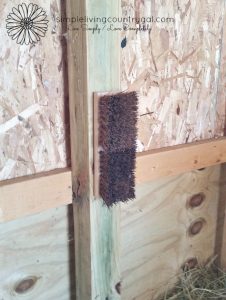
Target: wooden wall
pixel 175 70
pixel 159 232
pixel 33 99
pixel 162 229
pixel 34 135
pixel 38 249
pixel 222 204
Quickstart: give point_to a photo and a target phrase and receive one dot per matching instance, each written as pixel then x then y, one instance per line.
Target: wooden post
pixel 94 65
pixel 220 243
pixel 222 90
pixel 220 240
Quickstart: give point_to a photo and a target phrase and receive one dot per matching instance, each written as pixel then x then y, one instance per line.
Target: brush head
pixel 117 144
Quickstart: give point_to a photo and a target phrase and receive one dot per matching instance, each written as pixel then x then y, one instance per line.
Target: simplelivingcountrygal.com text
pixel 105 20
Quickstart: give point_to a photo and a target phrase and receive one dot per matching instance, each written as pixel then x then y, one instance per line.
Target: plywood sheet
pixel 155 239
pixel 33 98
pixel 174 66
pixel 41 247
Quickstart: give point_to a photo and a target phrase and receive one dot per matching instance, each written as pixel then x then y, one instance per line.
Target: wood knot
pixel 196 227
pixel 118 288
pixel 196 200
pixel 25 285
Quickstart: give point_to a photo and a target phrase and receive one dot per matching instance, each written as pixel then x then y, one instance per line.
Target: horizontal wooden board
pixel 175 160
pixel 33 194
pixel 169 161
pixel 29 195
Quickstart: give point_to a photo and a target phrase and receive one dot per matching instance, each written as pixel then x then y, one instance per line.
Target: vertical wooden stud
pixel 220 241
pixel 94 65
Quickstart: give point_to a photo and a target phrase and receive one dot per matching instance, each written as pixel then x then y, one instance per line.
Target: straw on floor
pixel 200 283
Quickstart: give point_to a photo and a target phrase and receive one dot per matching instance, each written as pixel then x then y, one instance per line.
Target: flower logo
pixel 26 24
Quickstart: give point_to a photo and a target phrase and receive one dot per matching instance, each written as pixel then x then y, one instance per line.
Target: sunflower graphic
pixel 27 24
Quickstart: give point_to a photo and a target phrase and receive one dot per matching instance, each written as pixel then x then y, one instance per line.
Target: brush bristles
pixel 117 141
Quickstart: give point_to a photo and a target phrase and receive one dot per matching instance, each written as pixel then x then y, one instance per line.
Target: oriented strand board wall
pixel 39 247
pixel 175 69
pixel 33 84
pixel 155 237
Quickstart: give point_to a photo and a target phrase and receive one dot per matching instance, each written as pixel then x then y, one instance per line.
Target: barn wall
pixel 175 70
pixel 222 203
pixel 34 138
pixel 155 231
pixel 34 127
pixel 40 247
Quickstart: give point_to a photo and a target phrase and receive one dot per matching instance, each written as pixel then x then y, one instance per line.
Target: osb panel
pixel 155 238
pixel 32 99
pixel 175 70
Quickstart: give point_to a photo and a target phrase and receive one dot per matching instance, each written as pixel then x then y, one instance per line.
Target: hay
pixel 200 283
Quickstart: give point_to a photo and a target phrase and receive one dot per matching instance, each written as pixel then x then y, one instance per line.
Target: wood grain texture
pixel 79 124
pixel 93 66
pixel 30 195
pixel 221 230
pixel 169 161
pixel 39 246
pixel 33 98
pixel 155 237
pixel 175 69
pixel 104 75
pixel 96 158
pixel 220 239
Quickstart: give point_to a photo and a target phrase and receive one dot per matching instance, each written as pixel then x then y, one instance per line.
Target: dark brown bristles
pixel 117 144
